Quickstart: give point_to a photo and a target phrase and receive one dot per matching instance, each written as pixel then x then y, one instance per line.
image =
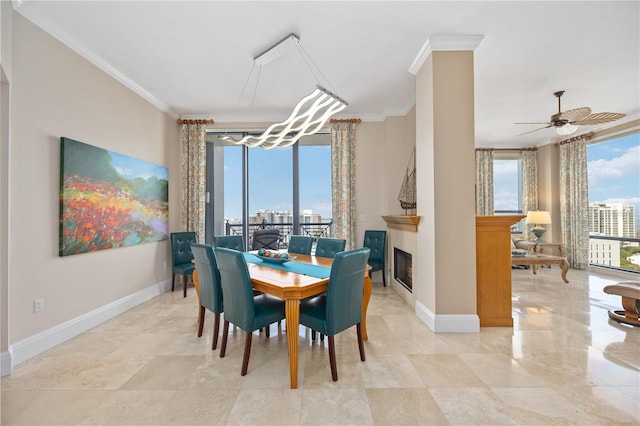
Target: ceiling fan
pixel 567 122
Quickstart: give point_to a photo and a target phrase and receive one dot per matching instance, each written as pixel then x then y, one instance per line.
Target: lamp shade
pixel 539 217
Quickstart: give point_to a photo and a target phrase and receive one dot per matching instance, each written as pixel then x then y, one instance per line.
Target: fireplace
pixel 402 271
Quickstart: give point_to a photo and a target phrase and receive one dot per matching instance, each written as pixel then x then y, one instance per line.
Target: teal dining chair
pixel 340 307
pixel 300 244
pixel 181 257
pixel 210 288
pixel 241 307
pixel 329 247
pixel 376 242
pixel 233 242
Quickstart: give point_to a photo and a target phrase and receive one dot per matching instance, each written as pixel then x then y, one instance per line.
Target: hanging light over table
pixel 308 116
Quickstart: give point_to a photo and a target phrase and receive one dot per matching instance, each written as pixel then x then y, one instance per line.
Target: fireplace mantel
pixel 404 222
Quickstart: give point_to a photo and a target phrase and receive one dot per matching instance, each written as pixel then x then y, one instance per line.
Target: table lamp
pixel 538 218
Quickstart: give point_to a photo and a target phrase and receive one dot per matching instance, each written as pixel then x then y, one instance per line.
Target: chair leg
pixel 185 281
pixel 267 331
pixel 225 333
pixel 216 329
pixel 313 335
pixel 247 353
pixel 384 277
pixel 173 281
pixel 201 320
pixel 360 343
pixel 332 359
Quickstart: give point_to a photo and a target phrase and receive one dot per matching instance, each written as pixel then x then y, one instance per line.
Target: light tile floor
pixel 564 362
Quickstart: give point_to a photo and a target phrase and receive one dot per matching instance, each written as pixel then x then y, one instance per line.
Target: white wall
pixel 55 93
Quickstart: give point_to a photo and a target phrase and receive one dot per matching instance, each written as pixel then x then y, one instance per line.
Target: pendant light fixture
pixel 308 116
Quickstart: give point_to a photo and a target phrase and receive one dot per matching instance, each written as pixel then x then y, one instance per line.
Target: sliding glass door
pixel 251 188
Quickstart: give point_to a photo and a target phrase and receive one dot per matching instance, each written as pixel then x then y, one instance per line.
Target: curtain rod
pixel 181 121
pixel 346 120
pixel 507 149
pixel 586 136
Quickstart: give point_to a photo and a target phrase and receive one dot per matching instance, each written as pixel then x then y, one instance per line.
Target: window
pixel 252 188
pixel 507 186
pixel 614 200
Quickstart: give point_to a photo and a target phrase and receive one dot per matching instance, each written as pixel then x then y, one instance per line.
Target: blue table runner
pixel 315 271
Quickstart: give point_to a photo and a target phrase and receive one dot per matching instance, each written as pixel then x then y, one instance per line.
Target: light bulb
pixel 567 129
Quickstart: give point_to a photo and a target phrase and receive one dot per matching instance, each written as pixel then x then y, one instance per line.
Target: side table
pixel 540 248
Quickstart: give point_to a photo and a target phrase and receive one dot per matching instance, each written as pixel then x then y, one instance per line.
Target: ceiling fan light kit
pixel 568 122
pixel 309 115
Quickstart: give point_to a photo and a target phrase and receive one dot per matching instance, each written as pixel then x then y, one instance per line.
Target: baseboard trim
pixel 5 363
pixel 447 323
pixel 41 342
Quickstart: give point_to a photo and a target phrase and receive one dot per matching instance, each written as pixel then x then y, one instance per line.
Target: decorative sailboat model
pixel 407 195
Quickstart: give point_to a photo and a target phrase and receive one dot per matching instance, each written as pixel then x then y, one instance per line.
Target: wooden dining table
pixel 292 287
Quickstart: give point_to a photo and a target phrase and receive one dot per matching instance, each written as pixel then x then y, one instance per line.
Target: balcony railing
pixel 620 253
pixel 315 230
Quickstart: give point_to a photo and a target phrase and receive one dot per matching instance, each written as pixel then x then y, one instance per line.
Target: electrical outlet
pixel 38 305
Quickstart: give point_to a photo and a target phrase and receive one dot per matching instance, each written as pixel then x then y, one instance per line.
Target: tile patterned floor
pixel 563 362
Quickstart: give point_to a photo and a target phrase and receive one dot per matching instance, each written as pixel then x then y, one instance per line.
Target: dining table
pixel 293 281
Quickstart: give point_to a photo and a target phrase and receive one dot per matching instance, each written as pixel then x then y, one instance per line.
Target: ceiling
pixel 193 59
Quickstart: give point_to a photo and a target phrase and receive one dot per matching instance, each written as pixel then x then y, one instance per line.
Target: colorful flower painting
pixel 109 200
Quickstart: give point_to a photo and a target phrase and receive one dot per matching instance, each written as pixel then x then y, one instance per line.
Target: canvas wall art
pixel 109 200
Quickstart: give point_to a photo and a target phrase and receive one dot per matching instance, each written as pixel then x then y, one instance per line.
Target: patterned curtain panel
pixel 529 184
pixel 193 144
pixel 574 203
pixel 343 181
pixel 484 182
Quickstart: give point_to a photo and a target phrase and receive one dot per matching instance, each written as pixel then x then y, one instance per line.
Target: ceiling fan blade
pixel 575 114
pixel 535 130
pixel 536 123
pixel 599 118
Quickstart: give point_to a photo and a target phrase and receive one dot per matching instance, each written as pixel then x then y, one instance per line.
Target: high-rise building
pixel 614 220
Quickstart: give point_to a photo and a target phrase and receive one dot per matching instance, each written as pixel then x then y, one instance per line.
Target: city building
pixel 614 220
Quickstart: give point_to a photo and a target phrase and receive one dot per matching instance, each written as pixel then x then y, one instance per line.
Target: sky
pixel 270 180
pixel 131 168
pixel 614 175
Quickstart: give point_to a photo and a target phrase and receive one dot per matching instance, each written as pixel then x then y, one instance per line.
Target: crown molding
pixel 439 42
pixel 23 9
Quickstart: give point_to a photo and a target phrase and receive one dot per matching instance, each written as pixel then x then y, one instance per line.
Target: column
pixel 445 287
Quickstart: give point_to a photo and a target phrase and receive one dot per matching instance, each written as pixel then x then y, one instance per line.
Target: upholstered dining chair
pixel 233 242
pixel 329 247
pixel 376 242
pixel 341 307
pixel 300 244
pixel 266 238
pixel 242 308
pixel 210 288
pixel 181 257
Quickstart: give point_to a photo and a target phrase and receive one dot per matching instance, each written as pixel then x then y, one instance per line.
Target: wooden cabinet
pixel 493 269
